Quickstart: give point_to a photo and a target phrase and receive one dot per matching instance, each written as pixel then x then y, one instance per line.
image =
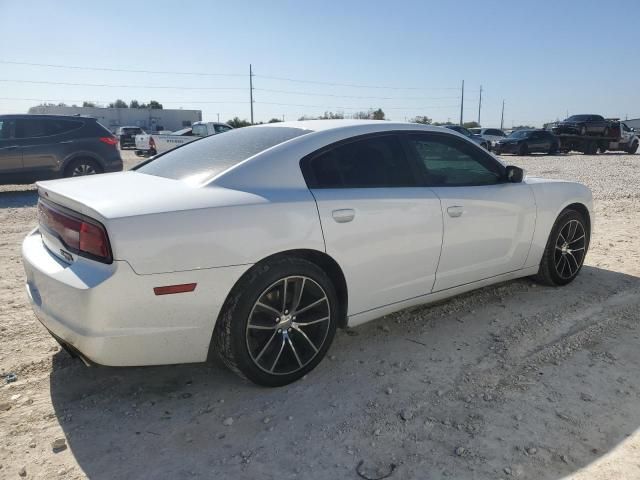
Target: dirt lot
pixel 515 380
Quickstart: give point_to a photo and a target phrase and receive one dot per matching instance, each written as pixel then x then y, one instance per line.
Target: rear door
pixel 488 223
pixel 10 151
pixel 47 141
pixel 383 229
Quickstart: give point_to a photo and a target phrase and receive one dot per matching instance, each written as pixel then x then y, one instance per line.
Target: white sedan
pixel 259 243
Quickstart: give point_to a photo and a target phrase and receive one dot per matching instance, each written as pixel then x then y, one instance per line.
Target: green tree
pixel 118 104
pixel 378 114
pixel 421 119
pixel 235 122
pixel 471 125
pixel 88 104
pixel 134 104
pixel 274 120
pixel 154 105
pixel 522 127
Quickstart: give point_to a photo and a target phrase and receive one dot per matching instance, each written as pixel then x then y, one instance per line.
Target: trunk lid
pixel 125 194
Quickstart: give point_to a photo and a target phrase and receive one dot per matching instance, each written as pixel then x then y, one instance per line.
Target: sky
pixel 544 59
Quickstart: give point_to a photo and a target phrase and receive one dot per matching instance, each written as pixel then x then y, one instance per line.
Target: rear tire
pixel 634 148
pixel 565 250
pixel 81 167
pixel 278 322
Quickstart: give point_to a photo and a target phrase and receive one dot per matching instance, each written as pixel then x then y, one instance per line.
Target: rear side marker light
pixel 109 140
pixel 169 289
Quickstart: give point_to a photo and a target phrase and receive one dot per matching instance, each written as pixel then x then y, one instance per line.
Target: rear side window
pixel 451 162
pixel 370 162
pixel 44 127
pixel 205 158
pixel 57 127
pixel 30 128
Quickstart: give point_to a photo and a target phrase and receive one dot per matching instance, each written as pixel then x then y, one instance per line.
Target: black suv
pixel 40 147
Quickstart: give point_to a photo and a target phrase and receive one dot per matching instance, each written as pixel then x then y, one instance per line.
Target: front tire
pixel 278 322
pixel 523 150
pixel 565 250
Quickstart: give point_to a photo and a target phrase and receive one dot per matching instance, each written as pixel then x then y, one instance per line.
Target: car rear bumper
pixel 111 316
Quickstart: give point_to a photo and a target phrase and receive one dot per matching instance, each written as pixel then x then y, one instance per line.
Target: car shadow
pixel 539 381
pixel 18 198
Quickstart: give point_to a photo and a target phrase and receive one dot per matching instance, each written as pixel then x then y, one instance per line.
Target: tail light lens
pixel 109 140
pixel 79 234
pixel 152 143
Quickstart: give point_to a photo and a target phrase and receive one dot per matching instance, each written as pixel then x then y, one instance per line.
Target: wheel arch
pixel 582 209
pixel 317 257
pixel 81 154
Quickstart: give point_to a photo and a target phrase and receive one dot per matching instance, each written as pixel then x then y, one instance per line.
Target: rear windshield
pixel 206 158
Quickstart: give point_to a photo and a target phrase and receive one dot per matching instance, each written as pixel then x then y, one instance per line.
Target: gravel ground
pixel 515 380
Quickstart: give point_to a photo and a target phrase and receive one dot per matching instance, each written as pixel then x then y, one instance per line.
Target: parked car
pixel 37 147
pixel 153 144
pixel 583 125
pixel 127 136
pixel 523 142
pixel 476 138
pixel 259 243
pixel 491 135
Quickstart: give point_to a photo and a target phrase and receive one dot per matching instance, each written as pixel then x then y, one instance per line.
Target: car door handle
pixel 455 211
pixel 343 215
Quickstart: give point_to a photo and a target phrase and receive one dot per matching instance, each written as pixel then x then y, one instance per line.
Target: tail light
pixel 109 140
pixel 79 234
pixel 152 143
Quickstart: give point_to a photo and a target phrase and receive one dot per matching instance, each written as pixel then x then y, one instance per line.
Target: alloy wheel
pixel 288 325
pixel 570 249
pixel 83 169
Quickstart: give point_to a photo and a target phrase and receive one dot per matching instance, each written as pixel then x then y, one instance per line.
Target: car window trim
pixel 474 147
pixel 309 176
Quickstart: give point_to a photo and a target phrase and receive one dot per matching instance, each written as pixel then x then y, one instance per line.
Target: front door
pixel 488 222
pixel 383 229
pixel 10 151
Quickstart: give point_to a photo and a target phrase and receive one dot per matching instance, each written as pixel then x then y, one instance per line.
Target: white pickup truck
pixel 154 143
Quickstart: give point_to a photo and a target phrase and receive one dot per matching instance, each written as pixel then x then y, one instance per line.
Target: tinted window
pixel 371 162
pixel 56 127
pixel 4 129
pixel 494 132
pixel 450 162
pixel 30 127
pixel 221 128
pixel 205 158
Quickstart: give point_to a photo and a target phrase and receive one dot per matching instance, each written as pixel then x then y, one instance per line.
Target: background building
pixel 151 120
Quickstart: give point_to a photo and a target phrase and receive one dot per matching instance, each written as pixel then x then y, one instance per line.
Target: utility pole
pixel 502 116
pixel 479 105
pixel 218 118
pixel 251 91
pixel 462 103
pixel 283 117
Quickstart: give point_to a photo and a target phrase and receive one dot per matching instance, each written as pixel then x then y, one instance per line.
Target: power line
pixel 109 69
pixel 119 86
pixel 362 97
pixel 173 72
pixel 418 108
pixel 296 80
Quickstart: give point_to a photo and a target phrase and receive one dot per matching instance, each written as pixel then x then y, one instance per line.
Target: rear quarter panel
pixel 268 222
pixel 552 197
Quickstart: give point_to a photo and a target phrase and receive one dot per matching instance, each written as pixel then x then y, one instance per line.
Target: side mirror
pixel 514 174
